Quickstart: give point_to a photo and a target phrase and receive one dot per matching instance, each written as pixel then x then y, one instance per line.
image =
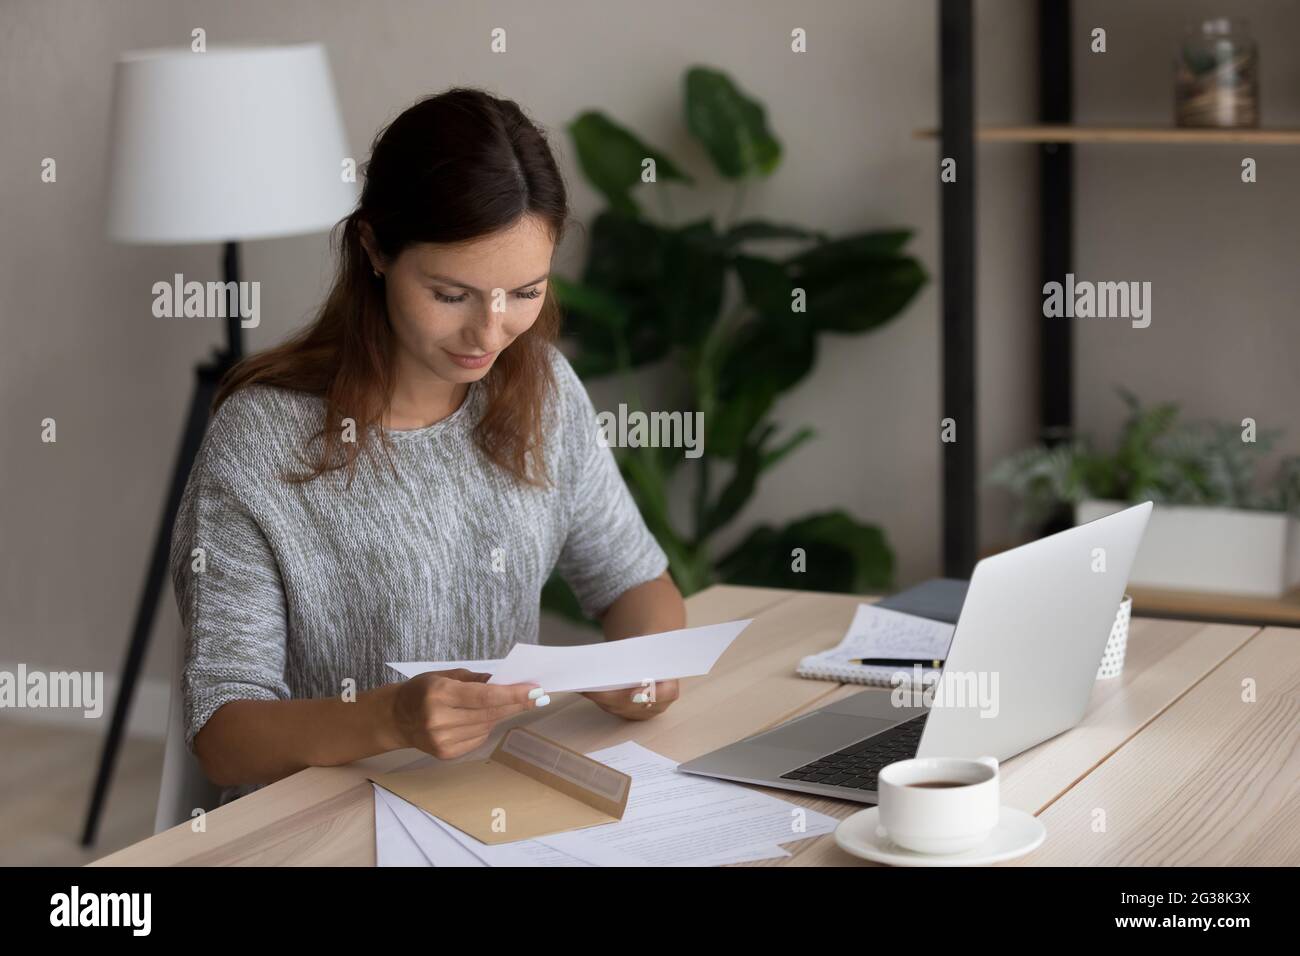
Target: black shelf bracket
pixel 957 136
pixel 1055 219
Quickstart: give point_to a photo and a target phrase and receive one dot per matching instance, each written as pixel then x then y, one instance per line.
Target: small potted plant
pixel 1214 528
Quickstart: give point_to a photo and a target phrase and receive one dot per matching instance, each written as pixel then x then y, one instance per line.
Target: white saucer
pixel 1016 834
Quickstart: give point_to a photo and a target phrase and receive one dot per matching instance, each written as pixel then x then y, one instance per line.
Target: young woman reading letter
pixel 398 480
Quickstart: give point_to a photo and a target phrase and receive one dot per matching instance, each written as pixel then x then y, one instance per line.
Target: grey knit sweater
pixel 300 587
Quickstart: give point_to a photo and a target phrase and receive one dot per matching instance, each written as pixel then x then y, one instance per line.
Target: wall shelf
pixel 1283 611
pixel 1171 135
pixel 1054 137
pixel 1152 602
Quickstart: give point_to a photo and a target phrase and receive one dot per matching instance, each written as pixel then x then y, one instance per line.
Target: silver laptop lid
pixel 1024 657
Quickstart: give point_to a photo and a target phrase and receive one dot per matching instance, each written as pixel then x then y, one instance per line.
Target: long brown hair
pixel 456 166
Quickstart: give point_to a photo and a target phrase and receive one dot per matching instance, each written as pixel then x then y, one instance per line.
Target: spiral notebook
pixel 878 632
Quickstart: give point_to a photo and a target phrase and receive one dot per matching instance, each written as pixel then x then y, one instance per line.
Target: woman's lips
pixel 471 361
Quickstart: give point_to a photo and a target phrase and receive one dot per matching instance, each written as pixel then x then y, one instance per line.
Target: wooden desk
pixel 1183 770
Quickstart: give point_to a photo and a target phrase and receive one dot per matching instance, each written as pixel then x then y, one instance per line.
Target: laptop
pixel 1020 670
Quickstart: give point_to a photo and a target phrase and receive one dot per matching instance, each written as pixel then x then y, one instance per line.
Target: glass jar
pixel 1218 76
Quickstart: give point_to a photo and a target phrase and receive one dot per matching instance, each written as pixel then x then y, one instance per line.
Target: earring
pixel 378 274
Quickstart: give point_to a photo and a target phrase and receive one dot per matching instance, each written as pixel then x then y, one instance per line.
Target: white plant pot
pixel 1220 550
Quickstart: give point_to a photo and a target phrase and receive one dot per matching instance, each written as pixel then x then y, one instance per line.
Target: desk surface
pixel 1172 764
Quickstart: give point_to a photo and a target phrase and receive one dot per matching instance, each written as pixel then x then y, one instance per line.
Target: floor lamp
pixel 214 147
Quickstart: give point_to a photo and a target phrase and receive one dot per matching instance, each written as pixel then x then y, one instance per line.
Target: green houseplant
pixel 1158 458
pixel 1216 526
pixel 656 292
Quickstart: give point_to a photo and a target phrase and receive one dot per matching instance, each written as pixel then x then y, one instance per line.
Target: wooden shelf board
pixel 1126 134
pixel 1281 611
pixel 1218 607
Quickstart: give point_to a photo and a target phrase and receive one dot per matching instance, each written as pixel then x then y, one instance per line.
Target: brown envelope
pixel 530 787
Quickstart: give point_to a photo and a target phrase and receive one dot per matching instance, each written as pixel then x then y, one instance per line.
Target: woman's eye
pixel 530 294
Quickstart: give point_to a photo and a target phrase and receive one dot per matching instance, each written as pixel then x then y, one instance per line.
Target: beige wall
pixel 1220 254
pixel 79 344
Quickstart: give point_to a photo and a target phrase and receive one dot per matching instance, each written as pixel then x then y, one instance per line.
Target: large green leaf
pixel 646 471
pixel 777 347
pixel 753 459
pixel 766 284
pixel 735 417
pixel 596 321
pixel 773 456
pixel 864 298
pixel 625 253
pixel 758 229
pixel 647 481
pixel 744 477
pixel 856 283
pixel 595 304
pixel 731 127
pixel 694 279
pixel 611 156
pixel 763 358
pixel 841 555
pixel 670 282
pixel 627 260
pixel 837 254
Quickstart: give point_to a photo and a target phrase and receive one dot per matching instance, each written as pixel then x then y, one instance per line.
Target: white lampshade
pixel 231 144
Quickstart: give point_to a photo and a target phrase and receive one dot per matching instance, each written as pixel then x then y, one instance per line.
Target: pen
pixel 887 661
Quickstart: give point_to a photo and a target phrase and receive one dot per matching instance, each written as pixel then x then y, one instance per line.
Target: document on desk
pixel 676 819
pixel 394 845
pixel 672 819
pixel 632 662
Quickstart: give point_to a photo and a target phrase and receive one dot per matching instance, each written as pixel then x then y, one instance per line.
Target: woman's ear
pixel 377 264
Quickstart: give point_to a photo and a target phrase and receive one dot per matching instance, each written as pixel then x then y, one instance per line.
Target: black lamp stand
pixel 207 377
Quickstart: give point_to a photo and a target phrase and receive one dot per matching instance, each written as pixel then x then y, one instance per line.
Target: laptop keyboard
pixel 856 765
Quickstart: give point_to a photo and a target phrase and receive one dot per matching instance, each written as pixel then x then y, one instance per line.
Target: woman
pixel 397 481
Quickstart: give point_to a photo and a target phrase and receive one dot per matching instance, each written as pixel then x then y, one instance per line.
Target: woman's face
pixel 454 308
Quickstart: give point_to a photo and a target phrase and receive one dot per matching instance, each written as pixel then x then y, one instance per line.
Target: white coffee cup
pixel 938 819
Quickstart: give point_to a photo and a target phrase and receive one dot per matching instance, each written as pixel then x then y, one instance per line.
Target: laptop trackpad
pixel 822 732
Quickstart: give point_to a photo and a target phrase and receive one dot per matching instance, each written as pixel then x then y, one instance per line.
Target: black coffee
pixel 939 784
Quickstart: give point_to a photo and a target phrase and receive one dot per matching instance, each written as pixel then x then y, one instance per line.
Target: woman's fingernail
pixel 542 701
pixel 640 699
pixel 536 692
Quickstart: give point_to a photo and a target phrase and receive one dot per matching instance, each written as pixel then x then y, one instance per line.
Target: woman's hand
pixel 449 713
pixel 650 608
pixel 636 703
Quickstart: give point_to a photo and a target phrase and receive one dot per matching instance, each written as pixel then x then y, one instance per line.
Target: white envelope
pixel 632 662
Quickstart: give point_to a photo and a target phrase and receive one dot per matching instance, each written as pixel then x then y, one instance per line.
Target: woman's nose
pixel 489 330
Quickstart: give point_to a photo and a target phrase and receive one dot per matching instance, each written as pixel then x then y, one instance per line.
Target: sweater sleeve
pixel 608 549
pixel 229 594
